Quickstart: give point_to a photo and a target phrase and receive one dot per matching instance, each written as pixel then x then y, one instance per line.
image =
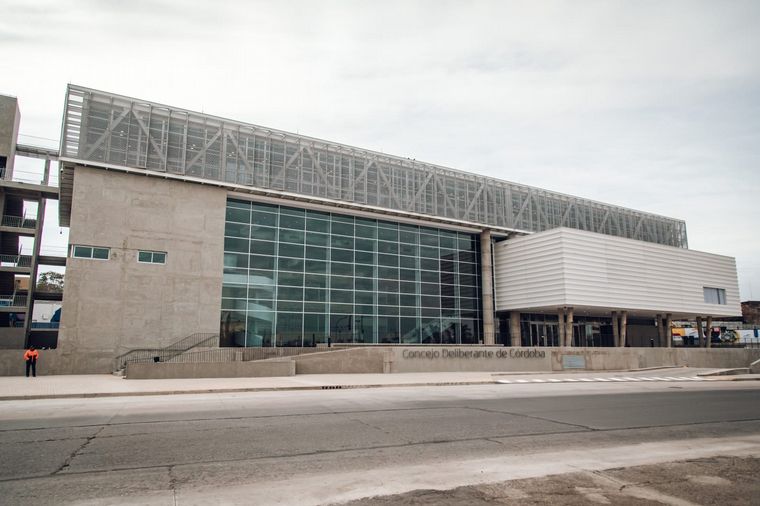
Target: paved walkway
pixel 105 385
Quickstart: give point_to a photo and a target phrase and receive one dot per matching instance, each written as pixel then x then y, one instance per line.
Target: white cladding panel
pixel 565 267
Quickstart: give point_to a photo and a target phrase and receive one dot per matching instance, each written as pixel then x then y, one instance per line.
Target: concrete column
pixel 561 327
pixel 514 328
pixel 623 327
pixel 569 327
pixel 660 333
pixel 668 332
pixel 708 333
pixel 615 328
pixel 486 271
pixel 700 332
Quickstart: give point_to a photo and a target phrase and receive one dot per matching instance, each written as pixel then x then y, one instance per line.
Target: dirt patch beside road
pixel 710 481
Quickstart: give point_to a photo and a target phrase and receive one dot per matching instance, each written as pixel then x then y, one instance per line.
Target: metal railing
pixel 237 354
pixel 19 222
pixel 167 353
pixel 15 261
pixel 13 300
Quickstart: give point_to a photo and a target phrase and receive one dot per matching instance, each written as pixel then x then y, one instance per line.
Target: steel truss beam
pixel 116 130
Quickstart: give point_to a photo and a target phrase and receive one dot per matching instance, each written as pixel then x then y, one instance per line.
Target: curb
pixel 236 390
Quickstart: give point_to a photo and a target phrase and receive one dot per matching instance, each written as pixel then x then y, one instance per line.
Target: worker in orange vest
pixel 31 355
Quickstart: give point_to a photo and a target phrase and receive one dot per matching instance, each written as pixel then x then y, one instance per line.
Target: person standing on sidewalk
pixel 31 355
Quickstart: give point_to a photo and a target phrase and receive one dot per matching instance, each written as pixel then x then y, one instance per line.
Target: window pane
pixel 364 257
pixel 342 255
pixel 82 252
pixel 237 230
pixel 364 283
pixel 342 228
pixel 290 278
pixel 262 247
pixel 265 219
pixel 342 282
pixel 291 250
pixel 317 225
pixel 100 253
pixel 145 256
pixel 339 241
pixel 316 239
pixel 293 236
pixel 366 232
pixel 159 258
pixel 262 262
pixel 266 233
pixel 316 253
pixel 236 245
pixel 342 269
pixel 293 222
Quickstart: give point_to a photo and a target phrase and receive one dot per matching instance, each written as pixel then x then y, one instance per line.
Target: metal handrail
pixel 15 260
pixel 238 354
pixel 19 222
pixel 167 353
pixel 13 299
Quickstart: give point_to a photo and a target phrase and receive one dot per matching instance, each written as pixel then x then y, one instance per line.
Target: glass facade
pixel 294 277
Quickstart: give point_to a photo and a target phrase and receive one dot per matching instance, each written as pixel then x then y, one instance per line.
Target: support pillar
pixel 514 328
pixel 708 333
pixel 615 329
pixel 486 271
pixel 700 332
pixel 623 327
pixel 660 332
pixel 569 328
pixel 561 327
pixel 668 331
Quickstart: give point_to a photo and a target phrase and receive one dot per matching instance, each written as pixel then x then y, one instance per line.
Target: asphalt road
pixel 192 449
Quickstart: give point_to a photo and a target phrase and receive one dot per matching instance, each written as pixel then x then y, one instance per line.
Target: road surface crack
pixel 67 462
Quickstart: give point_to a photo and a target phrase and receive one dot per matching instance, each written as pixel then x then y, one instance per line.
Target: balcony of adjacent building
pixel 18 224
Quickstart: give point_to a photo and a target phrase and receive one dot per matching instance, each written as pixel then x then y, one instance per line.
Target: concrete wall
pixel 112 306
pixel 168 370
pixel 600 359
pixel 56 362
pixel 566 267
pixel 471 359
pixel 12 338
pixel 353 360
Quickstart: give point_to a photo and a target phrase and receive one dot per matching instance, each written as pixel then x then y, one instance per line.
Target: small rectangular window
pixel 151 257
pixel 90 252
pixel 714 295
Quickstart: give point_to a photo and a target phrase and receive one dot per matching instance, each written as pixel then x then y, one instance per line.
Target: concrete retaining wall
pixel 56 362
pixel 349 361
pixel 600 359
pixel 468 359
pixel 169 370
pixel 397 360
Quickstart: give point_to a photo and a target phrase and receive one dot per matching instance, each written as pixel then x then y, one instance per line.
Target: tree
pixel 50 282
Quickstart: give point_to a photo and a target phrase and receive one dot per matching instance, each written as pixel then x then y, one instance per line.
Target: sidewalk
pixel 107 385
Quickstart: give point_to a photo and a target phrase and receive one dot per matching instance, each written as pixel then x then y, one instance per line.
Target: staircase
pixel 197 340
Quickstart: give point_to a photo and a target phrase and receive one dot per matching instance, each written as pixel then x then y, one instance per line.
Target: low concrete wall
pixel 348 361
pixel 601 359
pixel 169 370
pixel 468 359
pixel 56 362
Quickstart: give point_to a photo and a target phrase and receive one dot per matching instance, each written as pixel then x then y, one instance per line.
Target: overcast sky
pixel 653 105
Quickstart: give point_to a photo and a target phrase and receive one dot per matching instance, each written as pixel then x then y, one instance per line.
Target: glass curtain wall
pixel 294 277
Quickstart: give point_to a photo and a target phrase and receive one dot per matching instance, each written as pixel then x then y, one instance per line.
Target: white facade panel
pixel 588 271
